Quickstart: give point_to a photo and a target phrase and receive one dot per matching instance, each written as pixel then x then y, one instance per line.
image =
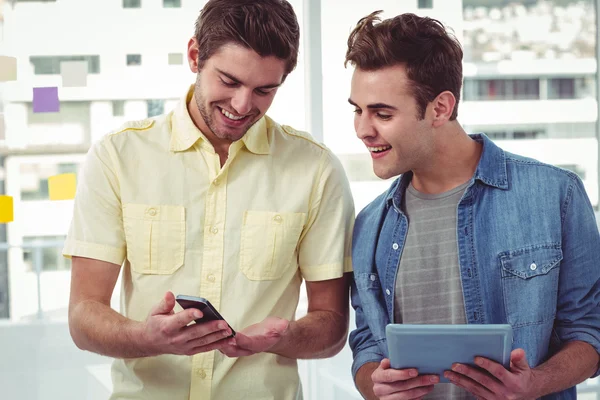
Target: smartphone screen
pixel 200 303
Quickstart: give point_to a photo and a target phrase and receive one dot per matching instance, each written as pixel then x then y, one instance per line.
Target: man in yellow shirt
pixel 216 200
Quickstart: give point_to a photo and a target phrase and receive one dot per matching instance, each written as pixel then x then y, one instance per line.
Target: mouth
pixel 378 149
pixel 233 119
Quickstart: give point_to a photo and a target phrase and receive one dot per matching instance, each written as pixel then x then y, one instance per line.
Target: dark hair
pixel 432 56
pixel 269 27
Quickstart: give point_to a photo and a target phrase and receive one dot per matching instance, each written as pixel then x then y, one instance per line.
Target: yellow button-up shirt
pixel 153 197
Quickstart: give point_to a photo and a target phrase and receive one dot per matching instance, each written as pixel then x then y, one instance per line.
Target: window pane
pixel 132 3
pixel 134 59
pixel 118 108
pixel 155 107
pixel 50 65
pixel 171 3
pixel 425 3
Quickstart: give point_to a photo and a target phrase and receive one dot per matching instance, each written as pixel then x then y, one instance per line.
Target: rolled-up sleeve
pixel 326 242
pixel 96 229
pixel 364 347
pixel 578 309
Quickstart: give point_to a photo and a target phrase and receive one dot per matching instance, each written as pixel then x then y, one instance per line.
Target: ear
pixel 443 107
pixel 192 54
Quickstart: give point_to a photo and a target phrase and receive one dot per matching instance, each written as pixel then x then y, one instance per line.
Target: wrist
pixel 137 336
pixel 537 384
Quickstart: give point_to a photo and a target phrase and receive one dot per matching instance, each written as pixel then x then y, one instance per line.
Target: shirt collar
pixel 184 133
pixel 491 170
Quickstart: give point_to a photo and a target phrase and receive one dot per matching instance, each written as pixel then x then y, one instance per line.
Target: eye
pixel 261 92
pixel 228 84
pixel 358 111
pixel 384 117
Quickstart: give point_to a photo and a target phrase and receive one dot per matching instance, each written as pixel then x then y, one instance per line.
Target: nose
pixel 242 101
pixel 364 128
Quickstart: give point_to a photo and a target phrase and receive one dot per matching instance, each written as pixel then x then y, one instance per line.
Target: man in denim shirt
pixel 523 247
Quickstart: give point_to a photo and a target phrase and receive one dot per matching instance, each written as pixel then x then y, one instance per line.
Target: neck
pixel 221 146
pixel 453 161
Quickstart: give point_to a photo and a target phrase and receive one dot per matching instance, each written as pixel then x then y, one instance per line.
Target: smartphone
pixel 200 303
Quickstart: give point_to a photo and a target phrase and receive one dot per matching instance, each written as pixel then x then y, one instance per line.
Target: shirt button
pixel 214 230
pixel 211 278
pixel 216 182
pixel 373 277
pixel 152 212
pixel 201 373
pixel 395 246
pixel 387 291
pixel 277 219
pixel 533 267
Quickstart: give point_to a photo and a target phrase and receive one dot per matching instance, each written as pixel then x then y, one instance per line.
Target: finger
pixel 165 306
pixel 213 346
pixel 385 374
pixel 496 370
pixel 469 385
pixel 518 361
pixel 234 351
pixel 185 317
pixel 204 336
pixel 381 389
pixel 409 394
pixel 483 378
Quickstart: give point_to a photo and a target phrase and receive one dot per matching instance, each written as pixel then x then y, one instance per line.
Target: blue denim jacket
pixel 529 255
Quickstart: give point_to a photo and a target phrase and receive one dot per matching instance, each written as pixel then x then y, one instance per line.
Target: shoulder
pixel 525 167
pixel 139 125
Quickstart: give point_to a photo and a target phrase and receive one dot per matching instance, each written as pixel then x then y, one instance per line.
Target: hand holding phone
pixel 200 303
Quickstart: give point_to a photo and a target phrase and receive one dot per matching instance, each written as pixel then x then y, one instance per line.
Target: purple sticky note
pixel 45 100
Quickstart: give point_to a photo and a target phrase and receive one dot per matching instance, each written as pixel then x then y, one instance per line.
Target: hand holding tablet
pixel 433 349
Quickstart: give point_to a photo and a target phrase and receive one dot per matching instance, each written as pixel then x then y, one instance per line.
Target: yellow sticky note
pixel 62 187
pixel 8 68
pixel 6 209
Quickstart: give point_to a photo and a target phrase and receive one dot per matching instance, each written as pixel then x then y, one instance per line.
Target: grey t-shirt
pixel 428 285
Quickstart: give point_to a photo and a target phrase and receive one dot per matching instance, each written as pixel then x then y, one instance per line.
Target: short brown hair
pixel 269 27
pixel 432 56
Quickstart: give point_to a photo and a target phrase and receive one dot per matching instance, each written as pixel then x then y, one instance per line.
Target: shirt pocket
pixel 530 283
pixel 155 236
pixel 269 243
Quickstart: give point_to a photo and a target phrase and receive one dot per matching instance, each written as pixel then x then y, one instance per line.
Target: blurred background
pixel 530 84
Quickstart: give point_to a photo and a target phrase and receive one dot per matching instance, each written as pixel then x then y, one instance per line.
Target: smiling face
pixel 234 89
pixel 387 121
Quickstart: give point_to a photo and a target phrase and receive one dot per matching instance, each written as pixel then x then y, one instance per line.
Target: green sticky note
pixel 62 187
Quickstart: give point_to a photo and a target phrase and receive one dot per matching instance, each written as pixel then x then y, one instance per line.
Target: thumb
pixel 385 364
pixel 165 306
pixel 280 327
pixel 518 361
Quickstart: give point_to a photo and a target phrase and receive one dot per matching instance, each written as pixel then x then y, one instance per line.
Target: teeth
pixel 230 115
pixel 378 149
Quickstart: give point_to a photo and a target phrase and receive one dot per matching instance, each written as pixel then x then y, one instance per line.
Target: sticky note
pixel 62 187
pixel 45 100
pixel 6 209
pixel 175 59
pixel 8 68
pixel 74 73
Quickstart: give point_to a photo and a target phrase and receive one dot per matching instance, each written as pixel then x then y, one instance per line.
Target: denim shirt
pixel 529 256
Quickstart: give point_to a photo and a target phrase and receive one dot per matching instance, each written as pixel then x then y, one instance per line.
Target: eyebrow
pixel 236 80
pixel 376 106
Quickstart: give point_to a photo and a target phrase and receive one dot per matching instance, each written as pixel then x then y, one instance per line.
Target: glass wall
pixel 530 85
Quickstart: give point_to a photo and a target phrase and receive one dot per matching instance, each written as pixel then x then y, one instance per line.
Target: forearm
pixel 97 328
pixel 573 364
pixel 320 334
pixel 363 380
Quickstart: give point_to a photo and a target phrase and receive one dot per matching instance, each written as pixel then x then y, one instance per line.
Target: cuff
pixel 96 251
